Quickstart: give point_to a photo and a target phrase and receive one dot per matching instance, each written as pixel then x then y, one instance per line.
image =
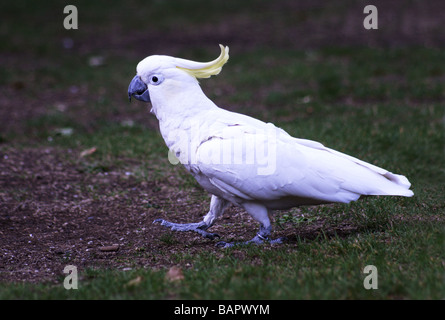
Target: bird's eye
pixel 156 79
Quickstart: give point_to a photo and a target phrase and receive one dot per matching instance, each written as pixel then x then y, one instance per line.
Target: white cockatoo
pixel 244 161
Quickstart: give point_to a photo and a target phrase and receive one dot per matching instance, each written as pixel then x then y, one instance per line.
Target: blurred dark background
pixel 145 27
pixel 43 63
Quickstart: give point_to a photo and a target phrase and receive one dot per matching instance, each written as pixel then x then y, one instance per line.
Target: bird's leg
pixel 217 206
pixel 261 214
pixel 199 227
pixel 261 237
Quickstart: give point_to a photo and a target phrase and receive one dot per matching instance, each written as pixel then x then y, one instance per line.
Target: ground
pixel 54 214
pixel 63 202
pixel 70 216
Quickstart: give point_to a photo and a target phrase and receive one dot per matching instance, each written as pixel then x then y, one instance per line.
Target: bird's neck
pixel 179 102
pixel 181 116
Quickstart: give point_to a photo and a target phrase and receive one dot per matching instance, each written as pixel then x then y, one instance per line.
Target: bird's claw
pixel 223 244
pixel 199 227
pixel 160 221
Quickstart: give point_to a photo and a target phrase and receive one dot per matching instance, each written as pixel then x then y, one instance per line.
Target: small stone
pixel 112 248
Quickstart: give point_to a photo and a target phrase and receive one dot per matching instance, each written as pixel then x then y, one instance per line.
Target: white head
pixel 161 78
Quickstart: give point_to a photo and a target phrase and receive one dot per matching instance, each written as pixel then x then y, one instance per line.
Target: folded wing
pixel 263 163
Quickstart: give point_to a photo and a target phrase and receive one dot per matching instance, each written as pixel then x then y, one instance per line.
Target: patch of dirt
pixel 53 213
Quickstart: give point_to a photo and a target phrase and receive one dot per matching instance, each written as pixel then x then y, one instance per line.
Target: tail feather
pixel 399 185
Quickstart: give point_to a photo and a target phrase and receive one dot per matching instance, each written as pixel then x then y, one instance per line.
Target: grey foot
pixel 258 239
pixel 198 227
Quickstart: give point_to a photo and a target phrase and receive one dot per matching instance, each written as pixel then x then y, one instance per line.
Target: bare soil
pixel 54 214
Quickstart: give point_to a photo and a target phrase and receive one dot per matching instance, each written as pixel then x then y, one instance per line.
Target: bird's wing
pixel 257 161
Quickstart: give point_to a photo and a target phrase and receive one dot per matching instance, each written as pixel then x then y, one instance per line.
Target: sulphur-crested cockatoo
pixel 244 161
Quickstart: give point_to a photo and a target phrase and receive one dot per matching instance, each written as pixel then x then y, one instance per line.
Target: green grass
pixel 323 268
pixel 384 106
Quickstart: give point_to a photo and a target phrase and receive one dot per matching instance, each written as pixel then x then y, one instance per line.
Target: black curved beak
pixel 138 89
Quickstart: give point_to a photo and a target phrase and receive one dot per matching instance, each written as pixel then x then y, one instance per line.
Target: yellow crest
pixel 204 69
